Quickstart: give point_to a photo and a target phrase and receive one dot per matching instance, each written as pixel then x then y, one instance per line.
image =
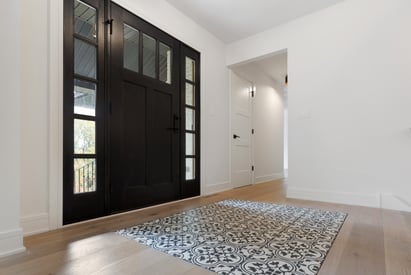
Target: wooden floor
pixel 371 241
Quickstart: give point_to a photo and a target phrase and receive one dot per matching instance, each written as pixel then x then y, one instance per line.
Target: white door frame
pixel 55 87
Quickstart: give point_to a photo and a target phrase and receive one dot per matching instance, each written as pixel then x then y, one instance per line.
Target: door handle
pixel 235 136
pixel 175 129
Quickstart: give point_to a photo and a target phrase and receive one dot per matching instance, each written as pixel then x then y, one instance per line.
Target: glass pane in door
pixel 190 168
pixel 190 69
pixel 85 59
pixel 84 97
pixel 84 136
pixel 85 20
pixel 190 94
pixel 149 56
pixel 190 119
pixel 190 144
pixel 165 63
pixel 84 175
pixel 131 48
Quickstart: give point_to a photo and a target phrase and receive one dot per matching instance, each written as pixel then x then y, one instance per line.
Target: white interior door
pixel 241 125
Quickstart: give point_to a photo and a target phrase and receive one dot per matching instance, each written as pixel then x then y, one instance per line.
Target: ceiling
pixel 231 20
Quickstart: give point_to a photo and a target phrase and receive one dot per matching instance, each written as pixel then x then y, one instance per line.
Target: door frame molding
pixel 55 91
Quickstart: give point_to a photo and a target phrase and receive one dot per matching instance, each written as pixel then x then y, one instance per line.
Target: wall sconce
pixel 286 80
pixel 252 90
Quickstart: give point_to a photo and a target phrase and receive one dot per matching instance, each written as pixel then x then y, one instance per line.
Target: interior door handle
pixel 235 136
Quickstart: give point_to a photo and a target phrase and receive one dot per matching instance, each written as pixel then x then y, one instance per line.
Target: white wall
pixel 268 122
pixel 349 101
pixel 11 239
pixel 34 116
pixel 37 178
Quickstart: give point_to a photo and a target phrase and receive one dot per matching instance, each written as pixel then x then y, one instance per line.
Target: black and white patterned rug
pixel 243 237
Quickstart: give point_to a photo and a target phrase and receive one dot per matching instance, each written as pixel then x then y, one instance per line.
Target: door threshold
pixel 128 212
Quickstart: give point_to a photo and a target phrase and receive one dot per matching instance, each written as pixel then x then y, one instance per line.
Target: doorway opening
pixel 259 120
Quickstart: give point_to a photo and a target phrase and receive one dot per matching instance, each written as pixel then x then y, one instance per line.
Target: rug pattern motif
pixel 235 237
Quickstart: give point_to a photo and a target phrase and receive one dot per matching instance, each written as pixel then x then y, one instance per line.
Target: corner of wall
pixel 34 224
pixel 394 202
pixel 11 242
pixel 271 177
pixel 215 188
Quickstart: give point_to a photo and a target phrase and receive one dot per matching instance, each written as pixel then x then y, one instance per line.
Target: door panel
pixel 144 145
pixel 241 121
pixel 160 133
pixel 128 134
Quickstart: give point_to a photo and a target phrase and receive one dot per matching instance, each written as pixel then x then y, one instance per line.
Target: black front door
pixel 144 114
pixel 131 113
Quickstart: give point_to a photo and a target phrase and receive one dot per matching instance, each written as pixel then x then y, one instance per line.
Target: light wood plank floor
pixel 371 241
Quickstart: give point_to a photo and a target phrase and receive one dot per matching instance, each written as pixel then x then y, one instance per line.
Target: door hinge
pixel 252 168
pixel 252 131
pixel 110 22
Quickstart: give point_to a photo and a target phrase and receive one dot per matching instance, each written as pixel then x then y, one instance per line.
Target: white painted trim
pixel 204 175
pixel 216 188
pixel 230 124
pixel 265 178
pixel 11 242
pixel 55 89
pixel 370 200
pixel 35 224
pixel 394 202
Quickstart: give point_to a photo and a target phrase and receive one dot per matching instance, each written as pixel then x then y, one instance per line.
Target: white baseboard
pixel 11 242
pixel 215 188
pixel 265 178
pixel 35 224
pixel 370 200
pixel 395 202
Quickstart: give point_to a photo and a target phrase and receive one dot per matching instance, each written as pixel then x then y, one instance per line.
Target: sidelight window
pixel 190 118
pixel 85 20
pixel 84 98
